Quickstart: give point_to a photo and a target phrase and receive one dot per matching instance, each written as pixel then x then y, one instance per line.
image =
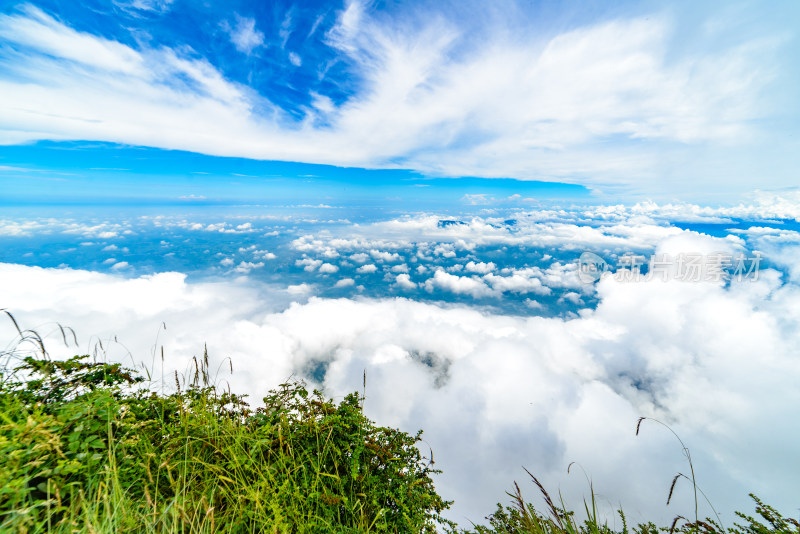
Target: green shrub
pixel 88 452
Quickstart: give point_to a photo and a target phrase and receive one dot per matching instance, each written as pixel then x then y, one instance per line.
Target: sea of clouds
pixel 493 389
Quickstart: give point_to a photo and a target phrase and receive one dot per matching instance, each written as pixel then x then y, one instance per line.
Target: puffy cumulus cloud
pixel 461 285
pixel 602 102
pixel 495 392
pixel 403 281
pixel 256 253
pixel 467 246
pixel 308 264
pixel 480 267
pixel 21 228
pixel 245 267
pixel 328 268
pixel 518 254
pixel 562 275
pixel 528 280
pixel 124 299
pixel 383 256
pixel 367 269
pixel 781 246
pixel 572 297
pixel 760 206
pixel 621 229
pixel 455 248
pixel 774 204
pixel 69 226
pixel 302 289
pixel 517 283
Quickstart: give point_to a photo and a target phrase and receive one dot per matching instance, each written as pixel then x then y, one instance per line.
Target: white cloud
pixel 308 264
pixel 244 35
pixel 403 281
pixel 21 228
pixel 328 268
pixel 572 297
pixel 367 269
pixel 480 267
pixel 457 284
pixel 300 289
pixel 495 392
pixel 545 106
pixel 265 255
pixel 345 282
pixel 35 29
pixel 160 6
pixel 761 205
pixel 383 256
pixel 533 304
pixel 245 267
pixel 517 283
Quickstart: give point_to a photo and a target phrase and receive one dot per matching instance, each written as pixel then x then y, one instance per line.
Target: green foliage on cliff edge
pixel 85 449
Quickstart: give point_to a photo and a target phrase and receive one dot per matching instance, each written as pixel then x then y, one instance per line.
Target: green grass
pixel 86 448
pixel 522 517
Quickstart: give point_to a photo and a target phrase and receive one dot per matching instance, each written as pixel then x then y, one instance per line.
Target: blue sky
pixel 101 173
pixel 634 99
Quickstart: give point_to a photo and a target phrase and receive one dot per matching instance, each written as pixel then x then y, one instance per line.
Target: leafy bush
pixel 85 451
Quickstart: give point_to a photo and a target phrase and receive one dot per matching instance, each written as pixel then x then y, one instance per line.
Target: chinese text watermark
pixel 683 267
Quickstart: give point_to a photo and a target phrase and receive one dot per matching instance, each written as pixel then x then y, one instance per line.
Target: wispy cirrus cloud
pixel 157 6
pixel 609 102
pixel 244 35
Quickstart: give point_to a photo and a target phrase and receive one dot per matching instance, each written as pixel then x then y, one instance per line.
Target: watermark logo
pixel 591 267
pixel 683 267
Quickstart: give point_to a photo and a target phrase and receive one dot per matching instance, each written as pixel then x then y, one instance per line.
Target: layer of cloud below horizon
pixel 496 392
